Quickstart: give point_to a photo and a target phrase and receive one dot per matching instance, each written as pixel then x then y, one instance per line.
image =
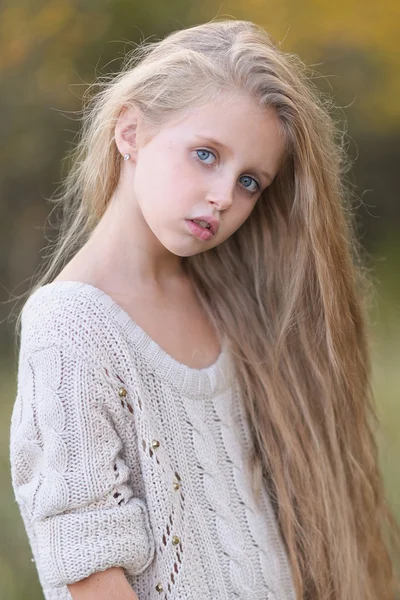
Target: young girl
pixel 194 416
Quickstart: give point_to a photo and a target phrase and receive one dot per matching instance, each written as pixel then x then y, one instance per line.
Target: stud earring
pixel 127 156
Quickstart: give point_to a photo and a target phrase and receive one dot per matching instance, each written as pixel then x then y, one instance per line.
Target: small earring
pixel 127 156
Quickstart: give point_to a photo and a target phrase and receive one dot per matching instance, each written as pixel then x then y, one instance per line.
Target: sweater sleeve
pixel 68 474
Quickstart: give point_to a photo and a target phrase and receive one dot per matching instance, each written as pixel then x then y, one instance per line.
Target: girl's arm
pixel 110 584
pixel 69 472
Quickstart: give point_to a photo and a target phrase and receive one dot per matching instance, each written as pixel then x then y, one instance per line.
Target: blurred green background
pixel 50 51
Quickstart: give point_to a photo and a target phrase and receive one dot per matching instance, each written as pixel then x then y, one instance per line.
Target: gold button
pixel 175 540
pixel 159 587
pixel 155 444
pixel 176 485
pixel 122 392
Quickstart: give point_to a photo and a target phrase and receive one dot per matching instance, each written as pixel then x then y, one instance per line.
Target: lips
pixel 203 233
pixel 214 223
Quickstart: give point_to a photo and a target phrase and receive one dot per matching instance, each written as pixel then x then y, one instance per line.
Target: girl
pixel 194 416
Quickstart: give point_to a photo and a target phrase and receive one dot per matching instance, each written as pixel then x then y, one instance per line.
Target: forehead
pixel 226 110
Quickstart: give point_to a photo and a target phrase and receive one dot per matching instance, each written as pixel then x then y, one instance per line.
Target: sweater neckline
pixel 208 381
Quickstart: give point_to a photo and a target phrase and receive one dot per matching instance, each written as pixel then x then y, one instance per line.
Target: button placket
pixel 176 483
pixel 155 447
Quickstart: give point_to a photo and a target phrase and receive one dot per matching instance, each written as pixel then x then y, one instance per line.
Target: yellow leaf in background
pixel 52 18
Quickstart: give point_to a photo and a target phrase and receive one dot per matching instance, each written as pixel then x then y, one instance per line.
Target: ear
pixel 125 134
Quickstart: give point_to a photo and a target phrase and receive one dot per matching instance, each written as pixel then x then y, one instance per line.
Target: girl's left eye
pixel 202 155
pixel 257 185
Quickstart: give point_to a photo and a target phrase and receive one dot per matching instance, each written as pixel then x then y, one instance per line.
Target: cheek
pixel 244 208
pixel 232 222
pixel 164 178
pixel 164 195
pixel 180 178
pixel 148 185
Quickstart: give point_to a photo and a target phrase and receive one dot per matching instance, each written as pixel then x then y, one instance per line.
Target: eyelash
pixel 246 189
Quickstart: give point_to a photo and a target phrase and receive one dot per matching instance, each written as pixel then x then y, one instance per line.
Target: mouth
pixel 200 231
pixel 207 222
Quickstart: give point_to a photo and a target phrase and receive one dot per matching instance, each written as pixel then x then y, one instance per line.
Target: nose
pixel 221 193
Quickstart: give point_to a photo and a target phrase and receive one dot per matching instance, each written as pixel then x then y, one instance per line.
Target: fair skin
pixel 134 254
pixel 110 584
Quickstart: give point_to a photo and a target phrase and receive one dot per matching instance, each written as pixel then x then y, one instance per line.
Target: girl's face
pixel 214 161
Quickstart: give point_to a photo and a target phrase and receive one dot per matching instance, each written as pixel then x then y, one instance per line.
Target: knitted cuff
pixel 72 546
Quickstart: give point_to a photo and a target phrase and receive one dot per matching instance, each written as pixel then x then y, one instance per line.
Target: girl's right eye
pixel 202 155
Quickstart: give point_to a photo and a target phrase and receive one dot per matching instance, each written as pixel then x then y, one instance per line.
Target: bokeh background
pixel 51 50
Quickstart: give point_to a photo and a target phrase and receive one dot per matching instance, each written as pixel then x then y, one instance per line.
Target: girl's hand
pixel 110 584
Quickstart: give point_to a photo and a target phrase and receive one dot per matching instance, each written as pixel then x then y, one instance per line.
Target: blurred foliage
pixel 357 41
pixel 50 51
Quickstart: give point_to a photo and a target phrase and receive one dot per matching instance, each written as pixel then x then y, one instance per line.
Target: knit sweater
pixel 123 456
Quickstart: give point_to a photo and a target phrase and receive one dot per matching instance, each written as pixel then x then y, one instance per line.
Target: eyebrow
pixel 221 145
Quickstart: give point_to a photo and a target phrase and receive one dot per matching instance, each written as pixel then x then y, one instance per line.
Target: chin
pixel 187 250
pixel 184 254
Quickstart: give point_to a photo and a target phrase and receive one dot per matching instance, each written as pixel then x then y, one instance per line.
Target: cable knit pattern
pixel 122 456
pixel 219 496
pixel 234 427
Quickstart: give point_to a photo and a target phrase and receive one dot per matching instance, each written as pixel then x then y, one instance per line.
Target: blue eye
pixel 251 180
pixel 198 152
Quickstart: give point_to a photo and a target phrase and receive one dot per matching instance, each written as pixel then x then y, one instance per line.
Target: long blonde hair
pixel 288 289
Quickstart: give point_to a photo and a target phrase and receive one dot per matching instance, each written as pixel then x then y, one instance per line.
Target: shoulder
pixel 75 316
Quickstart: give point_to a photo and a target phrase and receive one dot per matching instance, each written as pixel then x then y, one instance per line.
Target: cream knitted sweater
pixel 122 456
